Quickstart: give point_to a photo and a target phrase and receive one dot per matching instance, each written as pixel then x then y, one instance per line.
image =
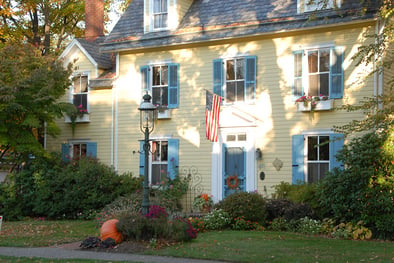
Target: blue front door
pixel 234 174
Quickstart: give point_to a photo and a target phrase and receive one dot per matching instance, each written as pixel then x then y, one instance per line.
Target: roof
pixel 103 60
pixel 211 20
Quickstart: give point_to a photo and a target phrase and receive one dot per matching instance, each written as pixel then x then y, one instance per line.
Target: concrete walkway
pixel 61 253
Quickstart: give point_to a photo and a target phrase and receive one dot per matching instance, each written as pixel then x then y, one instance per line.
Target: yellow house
pixel 261 57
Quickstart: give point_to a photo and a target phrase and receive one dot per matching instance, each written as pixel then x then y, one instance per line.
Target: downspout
pixel 378 74
pixel 114 137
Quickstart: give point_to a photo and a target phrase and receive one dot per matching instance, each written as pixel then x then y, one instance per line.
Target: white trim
pixel 73 43
pixel 303 47
pixel 318 132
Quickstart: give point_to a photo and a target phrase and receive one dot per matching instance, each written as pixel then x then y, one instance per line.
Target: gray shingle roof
pixel 93 48
pixel 210 20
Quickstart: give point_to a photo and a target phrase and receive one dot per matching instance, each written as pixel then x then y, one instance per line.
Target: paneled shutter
pixel 142 158
pixel 173 86
pixel 336 144
pixel 298 159
pixel 173 158
pixel 144 79
pixel 218 76
pixel 336 73
pixel 91 149
pixel 250 77
pixel 65 152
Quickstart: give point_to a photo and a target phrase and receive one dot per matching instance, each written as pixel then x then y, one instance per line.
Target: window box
pixel 319 106
pixel 84 118
pixel 163 114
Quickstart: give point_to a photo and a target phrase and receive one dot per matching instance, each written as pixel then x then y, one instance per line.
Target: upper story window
pixel 80 92
pixel 313 5
pixel 162 82
pixel 159 14
pixel 235 79
pixel 318 72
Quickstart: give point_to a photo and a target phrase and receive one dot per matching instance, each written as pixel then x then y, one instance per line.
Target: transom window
pixel 80 92
pixel 318 157
pixel 160 14
pixel 159 162
pixel 160 85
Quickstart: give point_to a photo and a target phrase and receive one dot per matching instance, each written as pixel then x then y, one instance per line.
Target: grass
pixel 36 233
pixel 235 246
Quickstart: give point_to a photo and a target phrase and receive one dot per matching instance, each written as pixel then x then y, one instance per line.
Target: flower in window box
pixel 312 100
pixel 203 202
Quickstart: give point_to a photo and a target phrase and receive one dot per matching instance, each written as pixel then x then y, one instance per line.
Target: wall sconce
pixel 259 154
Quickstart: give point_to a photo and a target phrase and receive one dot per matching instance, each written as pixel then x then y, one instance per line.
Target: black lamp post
pixel 147 124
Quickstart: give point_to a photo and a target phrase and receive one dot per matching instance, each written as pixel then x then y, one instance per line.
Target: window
pixel 318 72
pixel 313 155
pixel 80 92
pixel 161 81
pixel 77 149
pixel 313 5
pixel 160 14
pixel 163 160
pixel 239 81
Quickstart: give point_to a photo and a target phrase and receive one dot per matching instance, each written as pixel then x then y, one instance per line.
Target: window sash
pixel 159 162
pixel 160 14
pixel 235 80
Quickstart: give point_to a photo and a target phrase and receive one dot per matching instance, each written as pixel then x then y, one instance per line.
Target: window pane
pixel 313 85
pixel 159 173
pixel 313 172
pixel 164 75
pixel 324 84
pixel 298 87
pixel 156 96
pixel 324 148
pixel 324 167
pixel 163 5
pixel 156 6
pixel 81 99
pixel 164 151
pixel 231 138
pixel 241 137
pixel 240 91
pixel 298 64
pixel 164 96
pixel 230 74
pixel 312 150
pixel 324 60
pixel 240 69
pixel 312 61
pixel 230 91
pixel 156 76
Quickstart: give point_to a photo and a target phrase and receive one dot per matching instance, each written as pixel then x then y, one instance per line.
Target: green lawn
pixel 236 246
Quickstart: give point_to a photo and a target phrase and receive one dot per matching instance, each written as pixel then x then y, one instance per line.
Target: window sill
pixel 320 106
pixel 84 118
pixel 163 114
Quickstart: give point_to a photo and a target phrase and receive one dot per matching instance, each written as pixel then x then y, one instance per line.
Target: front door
pixel 234 170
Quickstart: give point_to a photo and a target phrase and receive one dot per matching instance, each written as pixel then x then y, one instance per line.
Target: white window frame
pixel 160 86
pixel 235 80
pixel 306 161
pixel 316 5
pixel 74 143
pixel 159 162
pixel 85 117
pixel 152 15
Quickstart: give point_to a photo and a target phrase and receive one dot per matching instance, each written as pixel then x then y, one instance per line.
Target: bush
pixel 279 224
pixel 217 220
pixel 241 224
pixel 297 193
pixel 198 224
pixel 277 207
pixel 308 226
pixel 50 188
pixel 251 206
pixel 297 211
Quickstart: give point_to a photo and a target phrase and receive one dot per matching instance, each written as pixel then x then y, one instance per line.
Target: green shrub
pixel 297 193
pixel 50 188
pixel 308 226
pixel 217 220
pixel 298 211
pixel 241 224
pixel 251 206
pixel 279 224
pixel 277 207
pixel 170 192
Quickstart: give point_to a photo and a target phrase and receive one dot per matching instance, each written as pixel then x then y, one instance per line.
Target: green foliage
pixel 352 231
pixel 50 188
pixel 217 220
pixel 279 224
pixel 251 206
pixel 363 191
pixel 30 86
pixel 241 224
pixel 297 193
pixel 135 226
pixel 198 224
pixel 308 226
pixel 288 210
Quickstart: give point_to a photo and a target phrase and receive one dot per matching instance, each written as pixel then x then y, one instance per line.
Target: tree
pixel 30 88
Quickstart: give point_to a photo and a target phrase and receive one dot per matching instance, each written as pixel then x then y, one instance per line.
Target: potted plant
pixel 203 202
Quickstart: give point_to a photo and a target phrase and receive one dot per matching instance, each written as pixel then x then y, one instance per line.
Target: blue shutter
pixel 145 79
pixel 91 149
pixel 173 158
pixel 250 77
pixel 65 152
pixel 336 73
pixel 142 158
pixel 218 76
pixel 336 144
pixel 298 88
pixel 173 86
pixel 298 159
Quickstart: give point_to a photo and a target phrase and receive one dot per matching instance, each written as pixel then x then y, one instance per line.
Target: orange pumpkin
pixel 108 230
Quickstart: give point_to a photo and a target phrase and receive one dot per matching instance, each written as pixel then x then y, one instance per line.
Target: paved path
pixel 61 253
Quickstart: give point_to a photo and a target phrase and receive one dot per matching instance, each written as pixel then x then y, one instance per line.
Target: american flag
pixel 212 112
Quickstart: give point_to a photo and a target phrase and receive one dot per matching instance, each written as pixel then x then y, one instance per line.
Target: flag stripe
pixel 212 113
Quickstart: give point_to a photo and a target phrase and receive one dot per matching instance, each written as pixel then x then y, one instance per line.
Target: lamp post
pixel 147 124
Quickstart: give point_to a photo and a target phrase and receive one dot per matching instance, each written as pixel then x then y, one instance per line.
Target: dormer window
pixel 316 5
pixel 159 14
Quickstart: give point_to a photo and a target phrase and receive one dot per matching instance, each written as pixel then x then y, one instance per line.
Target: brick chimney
pixel 94 19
